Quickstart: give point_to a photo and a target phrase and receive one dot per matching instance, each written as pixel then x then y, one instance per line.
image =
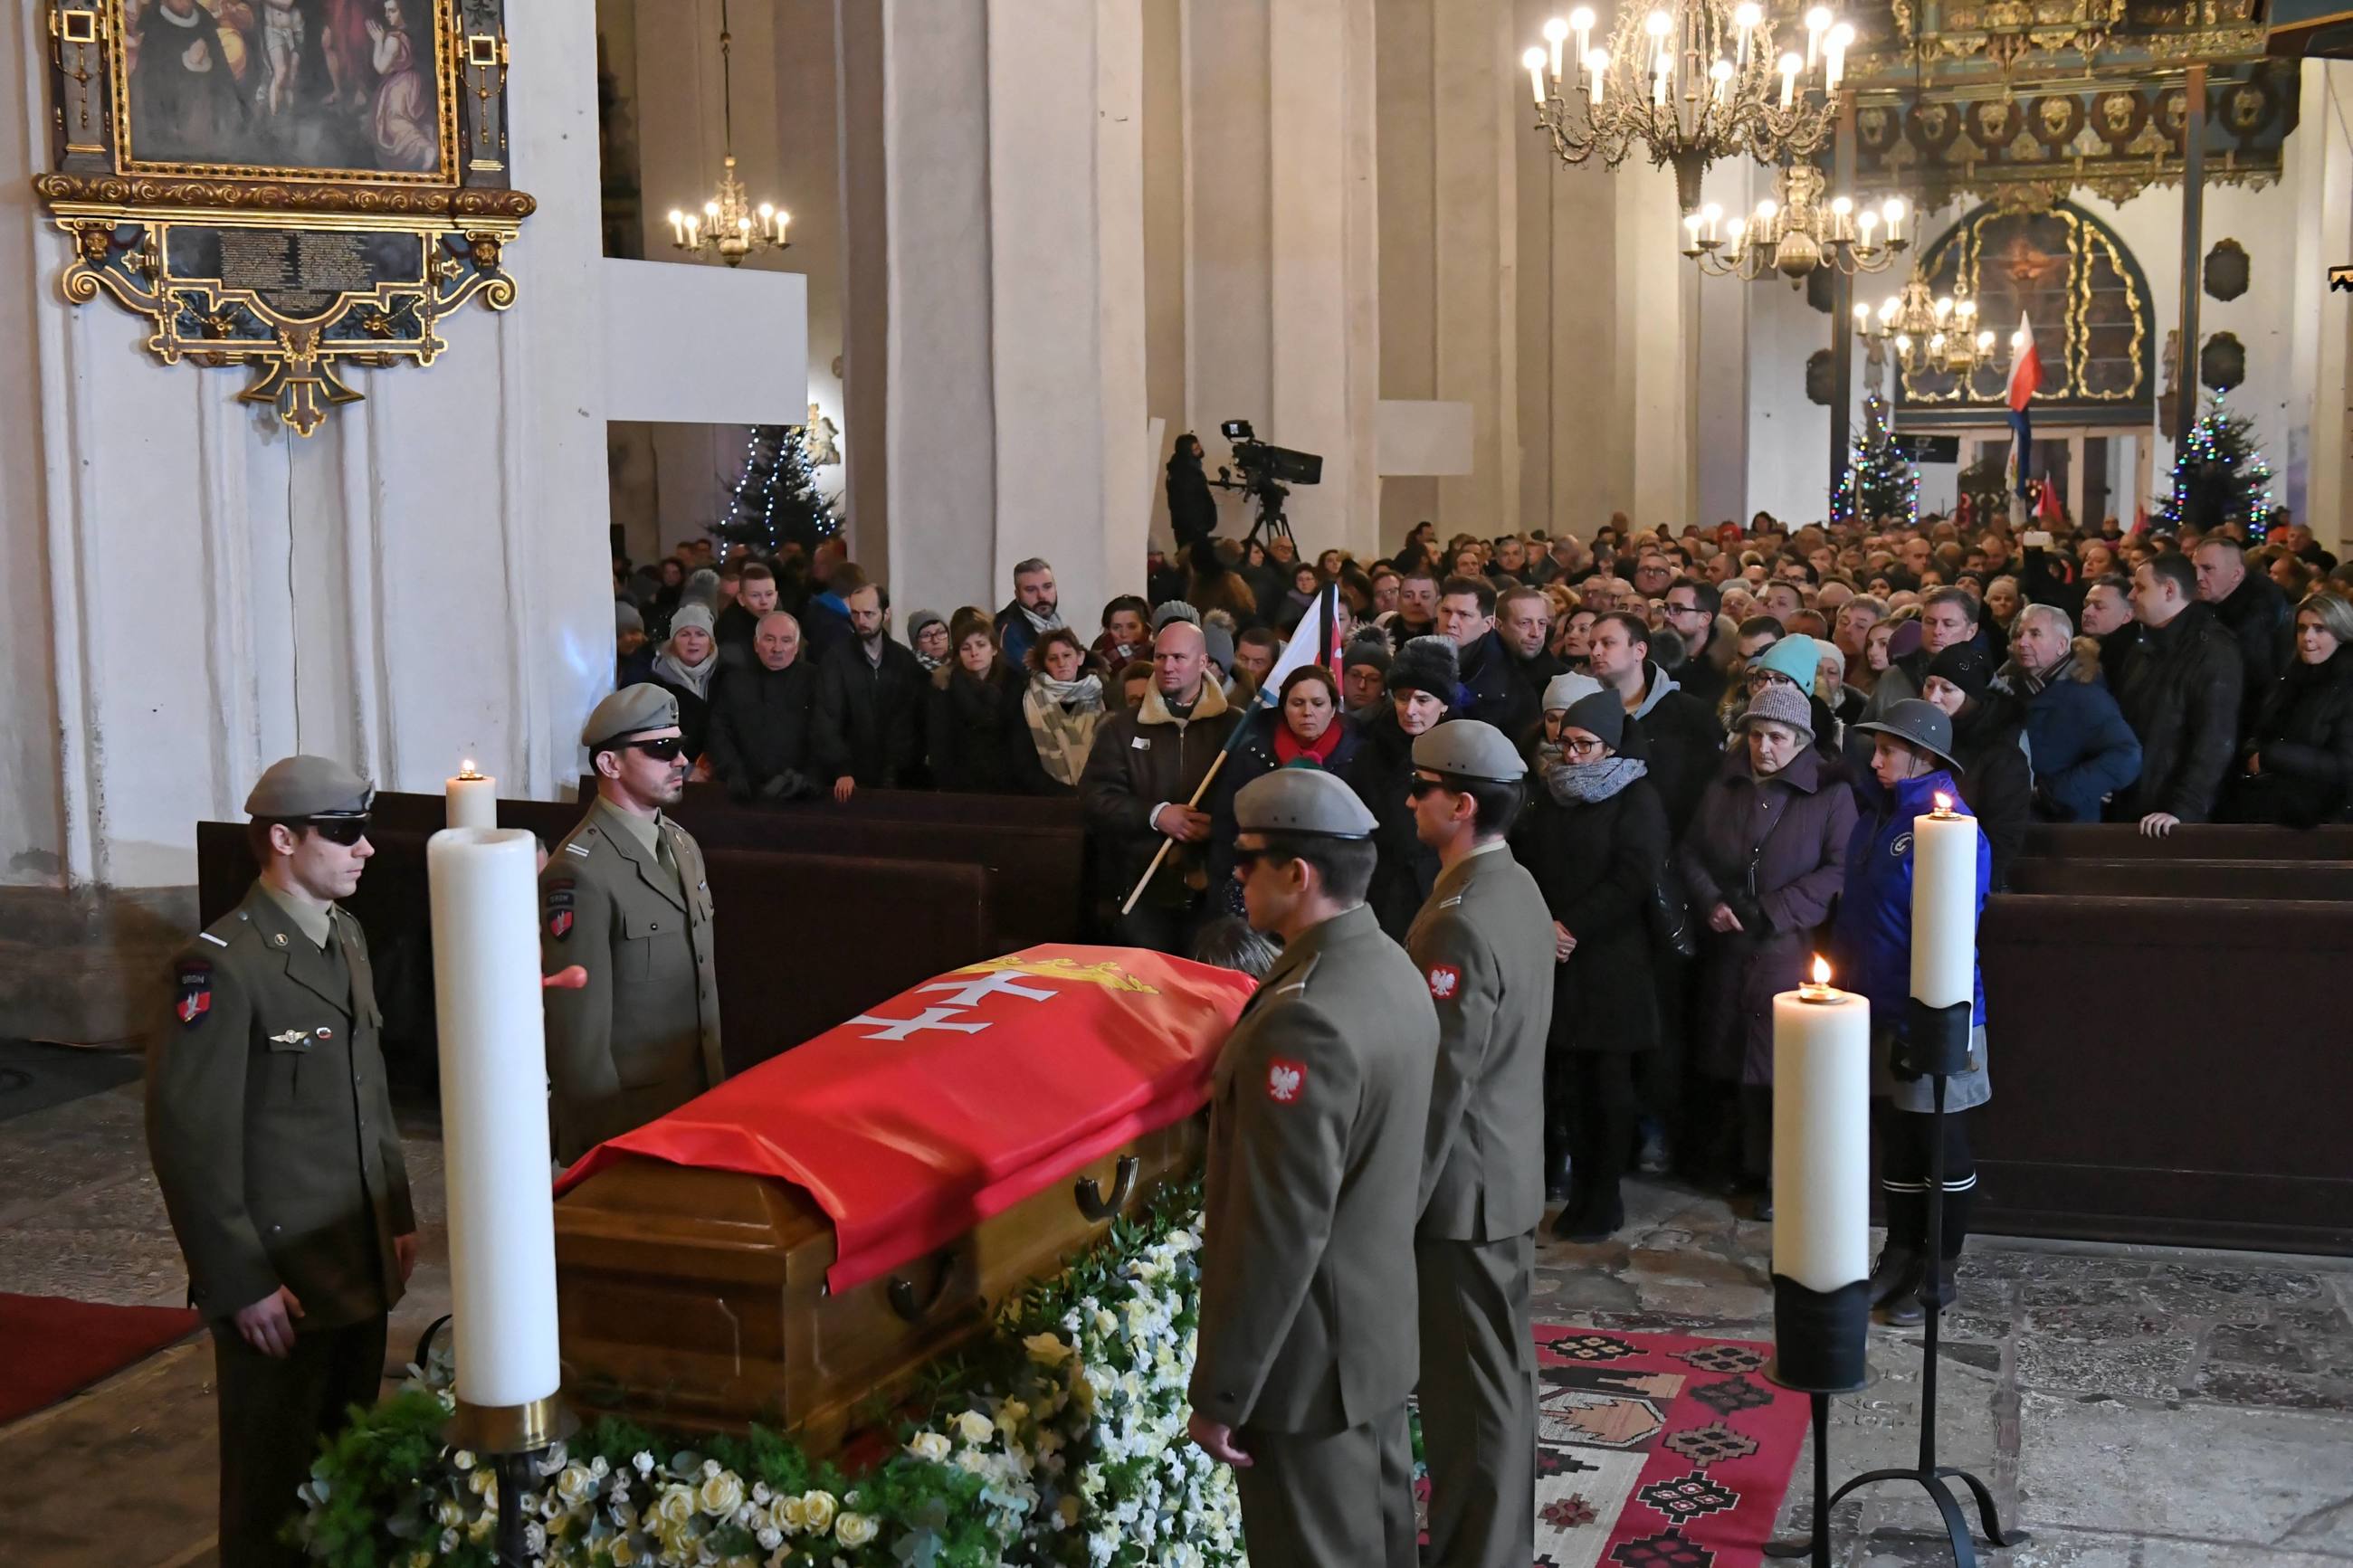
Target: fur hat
pixel 1428 664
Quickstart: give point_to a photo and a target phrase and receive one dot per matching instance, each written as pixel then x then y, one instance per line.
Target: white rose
pixel 929 1445
pixel 675 1506
pixel 643 1464
pixel 463 1459
pixel 721 1494
pixel 574 1484
pixel 856 1530
pixel 710 1469
pixel 770 1537
pixel 818 1510
pixel 974 1427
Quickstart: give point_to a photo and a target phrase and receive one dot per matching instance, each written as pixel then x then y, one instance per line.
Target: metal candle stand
pixel 512 1436
pixel 1935 1046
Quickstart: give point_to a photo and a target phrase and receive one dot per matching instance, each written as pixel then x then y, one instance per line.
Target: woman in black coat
pixel 1594 838
pixel 1994 777
pixel 1305 728
pixel 968 710
pixel 1425 687
pixel 2299 767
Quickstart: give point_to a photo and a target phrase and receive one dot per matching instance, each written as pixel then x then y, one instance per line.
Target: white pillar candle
pixel 470 799
pixel 1944 907
pixel 1821 1135
pixel 484 889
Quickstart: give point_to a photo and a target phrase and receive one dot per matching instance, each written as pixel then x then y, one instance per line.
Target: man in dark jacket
pixel 1466 614
pixel 869 704
pixel 739 623
pixel 1139 788
pixel 762 718
pixel 2180 693
pixel 1523 620
pixel 2082 749
pixel 1691 610
pixel 1678 734
pixel 2107 620
pixel 1037 608
pixel 2253 611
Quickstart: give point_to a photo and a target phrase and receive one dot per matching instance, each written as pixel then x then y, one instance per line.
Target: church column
pixel 1657 300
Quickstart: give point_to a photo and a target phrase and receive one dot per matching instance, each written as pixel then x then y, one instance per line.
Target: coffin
pixel 813 1232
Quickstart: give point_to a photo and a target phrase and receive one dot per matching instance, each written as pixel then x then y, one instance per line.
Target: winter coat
pixel 1407 868
pixel 1775 852
pixel 1029 774
pixel 1537 673
pixel 2304 742
pixel 2257 616
pixel 763 724
pixel 825 626
pixel 870 717
pixel 693 713
pixel 1494 691
pixel 1872 939
pixel 1681 740
pixel 1253 758
pixel 1015 635
pixel 1597 863
pixel 968 731
pixel 2180 693
pixel 1996 782
pixel 2082 749
pixel 1144 756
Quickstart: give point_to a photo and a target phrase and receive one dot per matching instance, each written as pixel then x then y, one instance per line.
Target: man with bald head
pixel 761 713
pixel 1146 767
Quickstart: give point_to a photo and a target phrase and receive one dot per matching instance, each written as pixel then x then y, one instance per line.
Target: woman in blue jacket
pixel 1911 764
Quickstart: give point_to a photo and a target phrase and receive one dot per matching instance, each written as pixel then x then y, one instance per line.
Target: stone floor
pixel 2132 1407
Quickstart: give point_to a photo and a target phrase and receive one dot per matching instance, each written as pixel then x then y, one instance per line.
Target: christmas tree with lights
pixel 2219 474
pixel 776 500
pixel 1879 482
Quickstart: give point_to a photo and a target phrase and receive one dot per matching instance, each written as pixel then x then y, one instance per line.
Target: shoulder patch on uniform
pixel 1445 982
pixel 1286 1080
pixel 195 991
pixel 215 941
pixel 559 898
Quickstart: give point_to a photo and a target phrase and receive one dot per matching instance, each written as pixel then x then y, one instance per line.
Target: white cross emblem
pixel 929 1018
pixel 1003 982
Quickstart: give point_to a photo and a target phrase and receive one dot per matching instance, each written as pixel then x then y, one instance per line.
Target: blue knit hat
pixel 1795 659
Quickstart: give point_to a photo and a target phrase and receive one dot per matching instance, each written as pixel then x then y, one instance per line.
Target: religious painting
pixel 315 89
pixel 2067 273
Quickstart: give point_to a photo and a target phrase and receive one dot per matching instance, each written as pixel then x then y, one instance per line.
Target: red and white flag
pixel 2025 365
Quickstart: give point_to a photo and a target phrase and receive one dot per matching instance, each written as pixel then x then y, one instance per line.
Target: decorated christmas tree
pixel 777 499
pixel 2218 474
pixel 1879 482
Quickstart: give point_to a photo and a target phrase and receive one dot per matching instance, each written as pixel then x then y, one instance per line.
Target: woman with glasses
pixel 1425 689
pixel 1594 838
pixel 1764 861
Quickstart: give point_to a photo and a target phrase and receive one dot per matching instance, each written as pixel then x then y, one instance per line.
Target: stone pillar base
pixel 89 965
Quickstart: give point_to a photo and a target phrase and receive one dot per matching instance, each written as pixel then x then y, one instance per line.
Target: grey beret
pixel 631 711
pixel 625 617
pixel 1301 800
pixel 1469 749
pixel 687 616
pixel 1563 690
pixel 308 786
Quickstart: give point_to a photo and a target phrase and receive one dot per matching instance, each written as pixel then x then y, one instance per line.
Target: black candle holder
pixel 513 1438
pixel 1934 1045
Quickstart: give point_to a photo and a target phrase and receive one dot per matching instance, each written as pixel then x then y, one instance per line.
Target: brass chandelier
pixel 1692 80
pixel 1798 233
pixel 1929 331
pixel 728 227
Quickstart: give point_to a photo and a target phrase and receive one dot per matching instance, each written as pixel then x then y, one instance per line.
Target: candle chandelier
pixel 1929 331
pixel 1692 80
pixel 728 227
pixel 1796 233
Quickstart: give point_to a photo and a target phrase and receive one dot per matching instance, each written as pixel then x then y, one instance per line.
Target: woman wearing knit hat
pixel 684 668
pixel 1764 861
pixel 1594 838
pixel 1424 690
pixel 1989 743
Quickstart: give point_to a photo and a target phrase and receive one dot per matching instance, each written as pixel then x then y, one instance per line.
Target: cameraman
pixel 1192 509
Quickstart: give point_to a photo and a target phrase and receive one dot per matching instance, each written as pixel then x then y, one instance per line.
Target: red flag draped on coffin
pixel 954 1100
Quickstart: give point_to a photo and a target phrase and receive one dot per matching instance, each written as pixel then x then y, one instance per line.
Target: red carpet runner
pixel 1659 1450
pixel 55 1347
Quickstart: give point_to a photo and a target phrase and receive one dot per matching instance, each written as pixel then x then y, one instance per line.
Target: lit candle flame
pixel 1822 970
pixel 465 770
pixel 1944 804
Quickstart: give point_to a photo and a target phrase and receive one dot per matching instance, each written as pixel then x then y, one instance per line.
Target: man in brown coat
pixel 1317 1114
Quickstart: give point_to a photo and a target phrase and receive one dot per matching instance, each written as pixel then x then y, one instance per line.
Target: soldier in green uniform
pixel 625 897
pixel 1318 1110
pixel 271 1130
pixel 1483 946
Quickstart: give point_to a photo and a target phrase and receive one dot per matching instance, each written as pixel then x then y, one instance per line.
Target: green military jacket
pixel 1484 944
pixel 643 1036
pixel 270 1123
pixel 1318 1107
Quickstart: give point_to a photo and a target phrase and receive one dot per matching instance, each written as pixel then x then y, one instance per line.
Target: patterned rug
pixel 1658 1450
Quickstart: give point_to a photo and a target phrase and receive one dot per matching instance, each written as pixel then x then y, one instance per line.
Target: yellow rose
pixel 573 1483
pixel 856 1530
pixel 1069 1510
pixel 722 1495
pixel 1047 1350
pixel 817 1511
pixel 929 1445
pixel 675 1506
pixel 624 1553
pixel 974 1427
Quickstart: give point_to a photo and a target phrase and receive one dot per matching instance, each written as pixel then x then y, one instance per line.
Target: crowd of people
pixel 1717 724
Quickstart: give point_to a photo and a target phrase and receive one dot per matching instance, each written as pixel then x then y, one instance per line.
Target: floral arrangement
pixel 1060 1442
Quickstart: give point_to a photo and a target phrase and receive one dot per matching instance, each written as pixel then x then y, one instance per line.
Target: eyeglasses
pixel 1585 747
pixel 662 750
pixel 344 830
pixel 1245 858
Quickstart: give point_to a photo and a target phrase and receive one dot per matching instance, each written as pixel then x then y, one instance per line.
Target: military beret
pixel 295 787
pixel 1301 800
pixel 1469 749
pixel 631 711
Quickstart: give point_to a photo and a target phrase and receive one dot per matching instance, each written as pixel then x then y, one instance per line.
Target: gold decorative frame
pixel 428 240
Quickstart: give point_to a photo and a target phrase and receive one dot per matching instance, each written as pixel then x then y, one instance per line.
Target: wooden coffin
pixel 696 1298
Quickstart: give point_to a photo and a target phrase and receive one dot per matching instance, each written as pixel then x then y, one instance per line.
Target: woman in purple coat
pixel 1764 861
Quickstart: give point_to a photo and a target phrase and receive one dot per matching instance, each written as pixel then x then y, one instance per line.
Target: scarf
pixel 1586 784
pixel 669 668
pixel 1062 716
pixel 1289 751
pixel 927 661
pixel 1051 621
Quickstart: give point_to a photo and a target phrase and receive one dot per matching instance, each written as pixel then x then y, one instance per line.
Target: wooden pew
pixel 2168 876
pixel 2191 841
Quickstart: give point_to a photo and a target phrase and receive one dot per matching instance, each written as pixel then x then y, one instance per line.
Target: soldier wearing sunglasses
pixel 271 1130
pixel 625 897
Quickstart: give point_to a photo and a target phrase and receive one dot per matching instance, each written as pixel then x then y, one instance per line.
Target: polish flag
pixel 2025 366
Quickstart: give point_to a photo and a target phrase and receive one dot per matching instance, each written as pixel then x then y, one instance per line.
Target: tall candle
pixel 1944 906
pixel 484 893
pixel 1821 1135
pixel 470 799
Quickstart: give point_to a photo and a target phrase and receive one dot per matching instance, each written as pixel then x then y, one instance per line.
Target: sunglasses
pixel 1245 859
pixel 661 750
pixel 1419 786
pixel 344 830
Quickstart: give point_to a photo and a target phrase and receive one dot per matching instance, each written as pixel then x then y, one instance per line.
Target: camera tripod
pixel 1270 519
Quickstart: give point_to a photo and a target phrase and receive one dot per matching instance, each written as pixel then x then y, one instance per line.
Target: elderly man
pixel 2083 750
pixel 1140 787
pixel 2180 692
pixel 2255 613
pixel 1523 617
pixel 762 717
